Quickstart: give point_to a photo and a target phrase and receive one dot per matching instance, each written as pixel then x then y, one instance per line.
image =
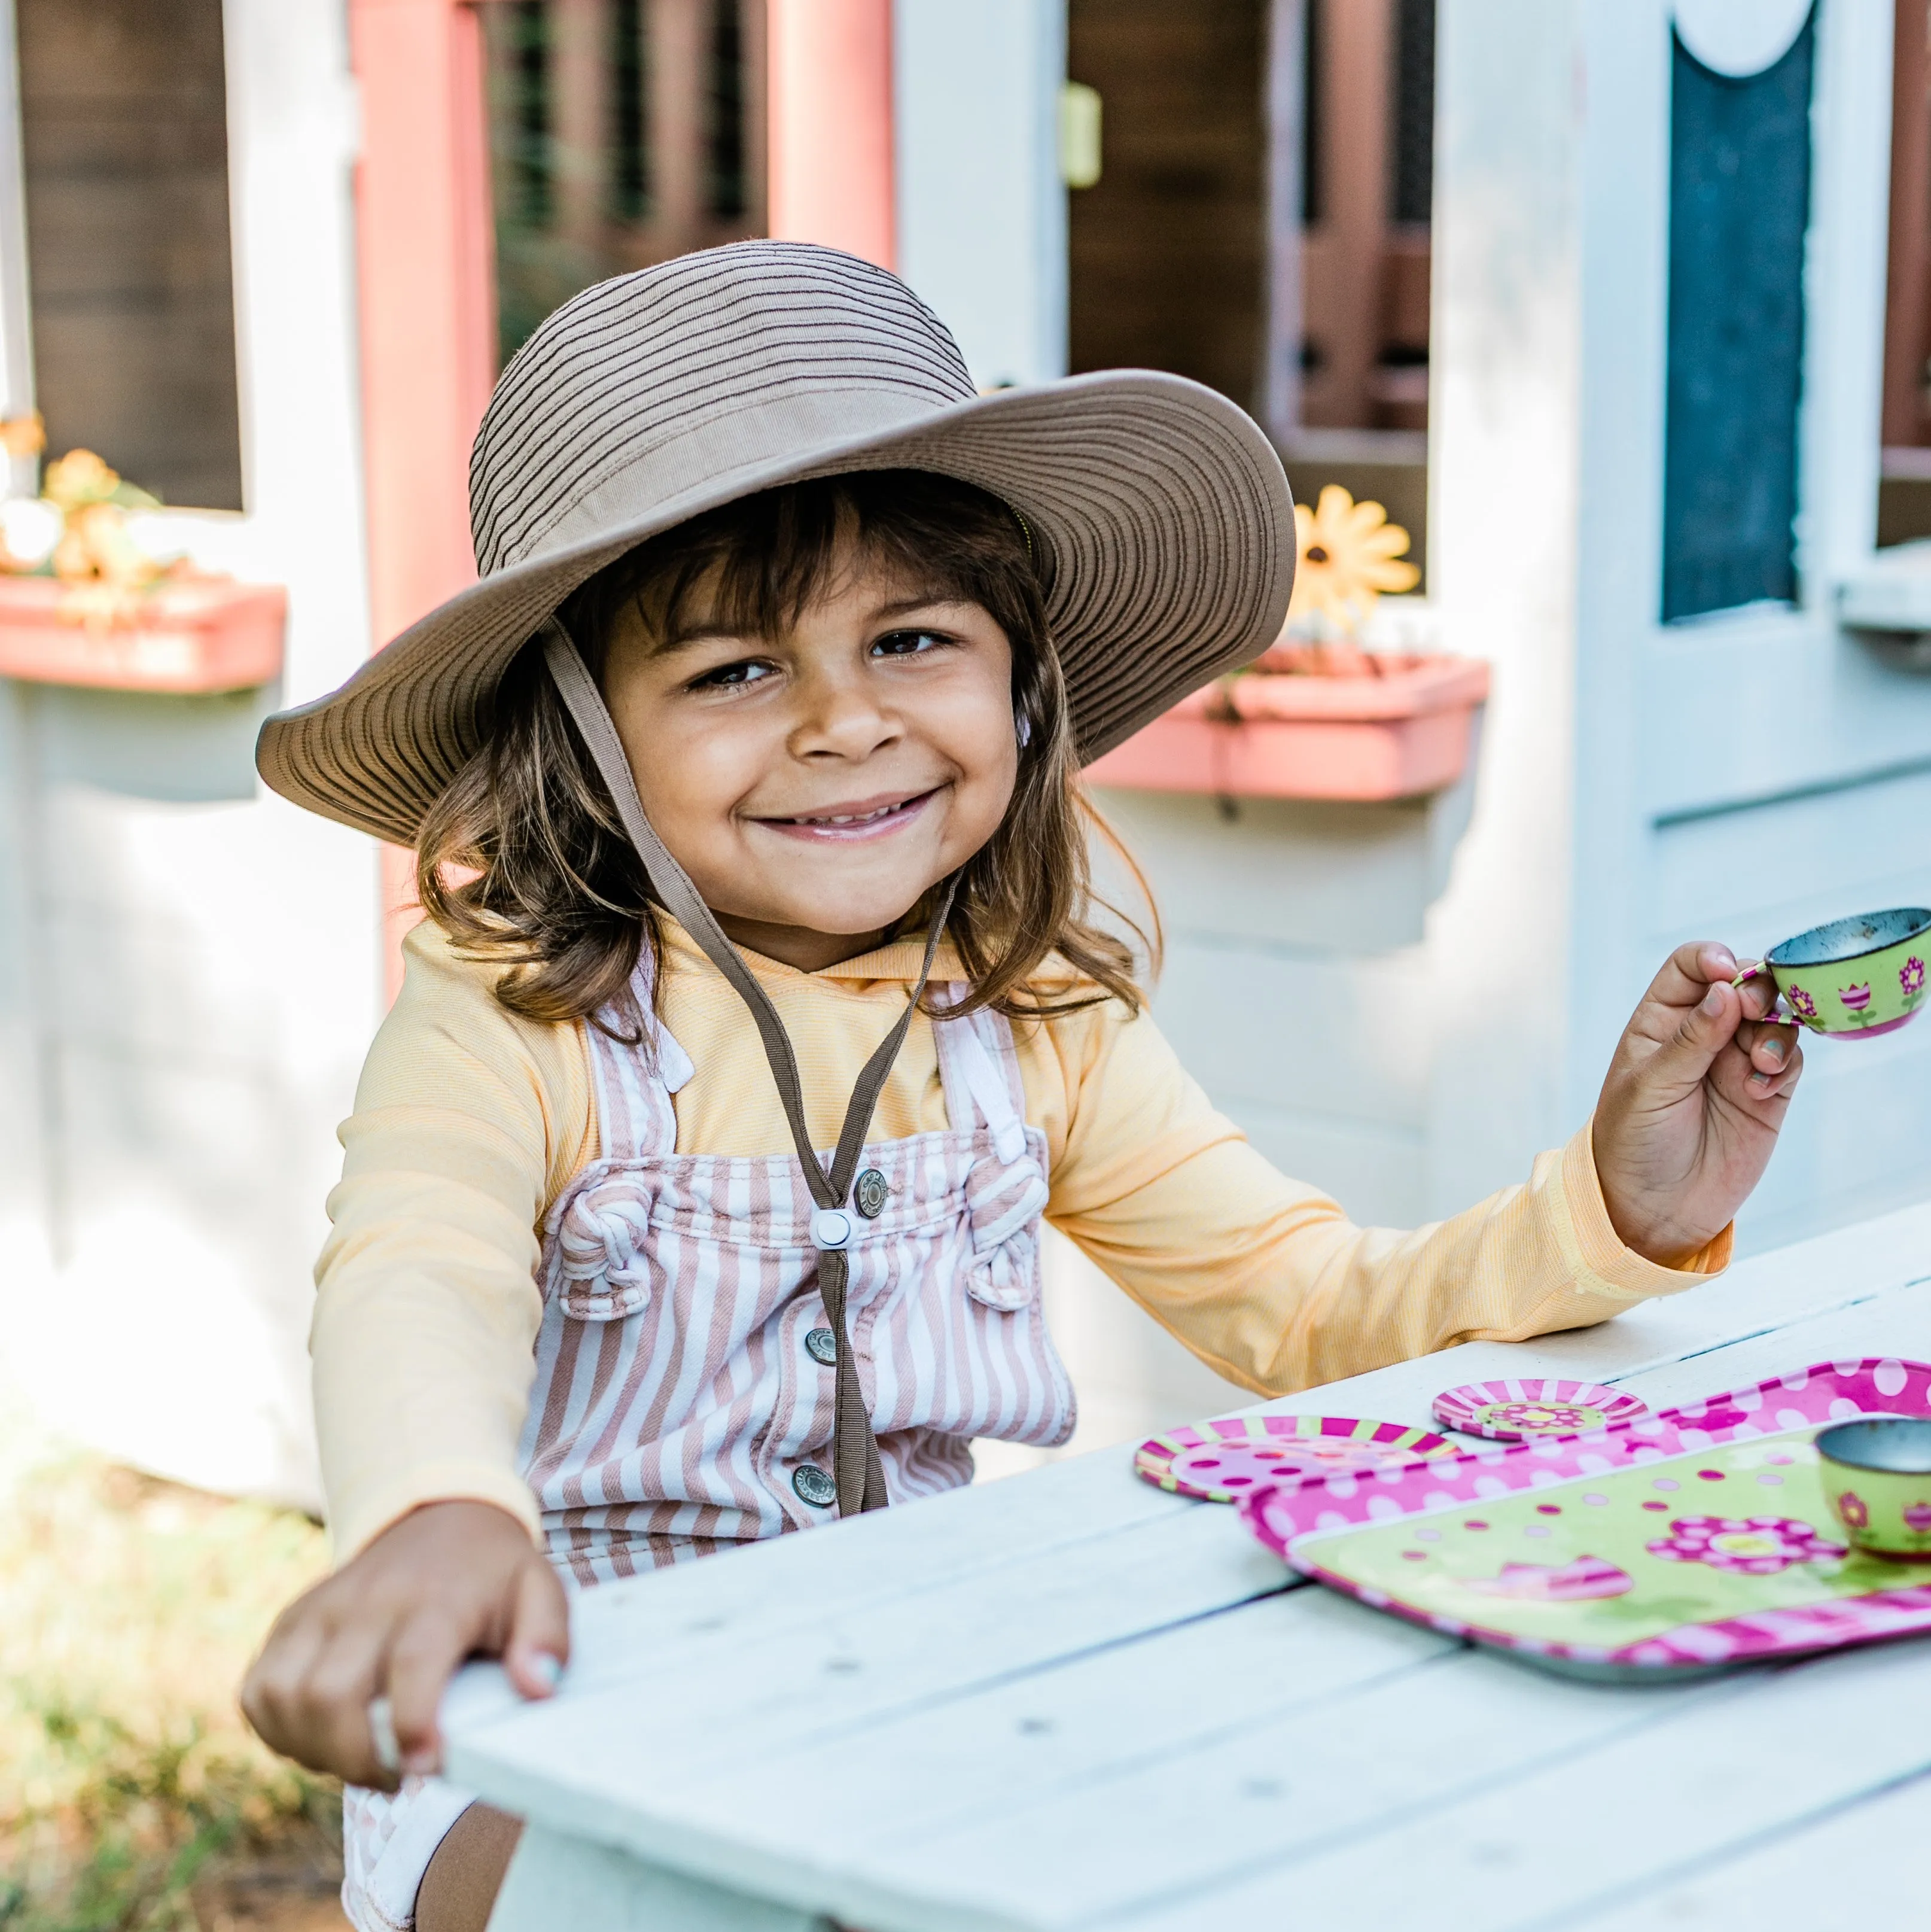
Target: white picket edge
pixel 1583 1830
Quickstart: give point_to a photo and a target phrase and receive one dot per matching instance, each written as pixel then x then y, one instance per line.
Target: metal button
pixel 831 1228
pixel 814 1486
pixel 822 1345
pixel 870 1193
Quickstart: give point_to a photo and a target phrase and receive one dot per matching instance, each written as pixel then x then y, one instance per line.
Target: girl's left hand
pixel 1689 1112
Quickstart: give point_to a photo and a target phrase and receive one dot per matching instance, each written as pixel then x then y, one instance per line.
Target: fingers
pixel 1758 995
pixel 271 1692
pixel 331 1709
pixel 424 1657
pixel 539 1644
pixel 1689 972
pixel 448 1579
pixel 1684 1056
pixel 1774 1059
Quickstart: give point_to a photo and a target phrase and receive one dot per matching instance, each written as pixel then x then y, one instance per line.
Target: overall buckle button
pixel 822 1345
pixel 870 1193
pixel 831 1228
pixel 814 1486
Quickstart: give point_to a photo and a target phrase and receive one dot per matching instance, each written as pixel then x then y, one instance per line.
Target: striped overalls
pixel 682 1397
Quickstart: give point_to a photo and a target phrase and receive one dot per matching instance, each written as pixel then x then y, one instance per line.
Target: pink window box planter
pixel 1403 733
pixel 202 634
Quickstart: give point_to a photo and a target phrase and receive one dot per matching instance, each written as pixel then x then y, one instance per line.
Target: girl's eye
pixel 909 643
pixel 729 676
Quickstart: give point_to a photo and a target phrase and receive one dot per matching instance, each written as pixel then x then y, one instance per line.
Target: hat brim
pixel 1159 512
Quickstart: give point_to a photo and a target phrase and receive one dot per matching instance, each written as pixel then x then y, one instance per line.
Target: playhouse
pixel 1593 293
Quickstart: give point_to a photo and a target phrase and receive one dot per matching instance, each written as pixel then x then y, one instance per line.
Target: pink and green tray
pixel 1671 1546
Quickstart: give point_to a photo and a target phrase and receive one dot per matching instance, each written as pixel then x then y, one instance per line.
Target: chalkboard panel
pixel 1739 204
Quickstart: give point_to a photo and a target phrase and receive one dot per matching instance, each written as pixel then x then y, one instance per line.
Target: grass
pixel 133 1797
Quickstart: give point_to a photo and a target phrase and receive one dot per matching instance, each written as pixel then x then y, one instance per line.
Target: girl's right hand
pixel 450 1580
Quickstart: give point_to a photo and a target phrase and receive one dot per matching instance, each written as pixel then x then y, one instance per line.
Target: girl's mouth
pixel 862 819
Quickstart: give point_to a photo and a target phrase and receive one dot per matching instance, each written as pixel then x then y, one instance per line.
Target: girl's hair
pixel 523 860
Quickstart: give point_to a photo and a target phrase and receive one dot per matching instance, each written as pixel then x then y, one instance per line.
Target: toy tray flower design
pixel 1227 1456
pixel 1671 1546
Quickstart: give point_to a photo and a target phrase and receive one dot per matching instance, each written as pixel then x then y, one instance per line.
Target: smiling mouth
pixel 845 827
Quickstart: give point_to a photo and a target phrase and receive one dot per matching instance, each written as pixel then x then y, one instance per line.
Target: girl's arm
pixel 1266 1280
pixel 466 1124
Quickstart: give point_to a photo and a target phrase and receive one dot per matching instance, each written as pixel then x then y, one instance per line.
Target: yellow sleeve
pixel 467 1123
pixel 1266 1280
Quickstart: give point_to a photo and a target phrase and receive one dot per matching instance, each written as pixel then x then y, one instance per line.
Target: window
pixel 124 130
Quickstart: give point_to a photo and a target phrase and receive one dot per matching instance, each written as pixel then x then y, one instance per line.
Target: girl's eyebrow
pixel 681 636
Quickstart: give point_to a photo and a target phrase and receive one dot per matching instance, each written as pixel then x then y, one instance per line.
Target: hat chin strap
pixel 855 1466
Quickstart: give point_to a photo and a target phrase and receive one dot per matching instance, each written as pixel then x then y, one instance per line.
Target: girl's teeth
pixel 850 818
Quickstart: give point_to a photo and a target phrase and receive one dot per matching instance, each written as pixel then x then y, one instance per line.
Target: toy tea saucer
pixel 1509 1411
pixel 1224 1459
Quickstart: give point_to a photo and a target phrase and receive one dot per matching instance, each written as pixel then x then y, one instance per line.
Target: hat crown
pixel 663 383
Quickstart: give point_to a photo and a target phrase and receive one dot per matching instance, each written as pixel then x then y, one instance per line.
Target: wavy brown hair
pixel 523 861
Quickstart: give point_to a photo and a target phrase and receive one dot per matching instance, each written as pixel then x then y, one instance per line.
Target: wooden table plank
pixel 1853 1867
pixel 579 1758
pixel 1717 1769
pixel 1019 1746
pixel 1272 1793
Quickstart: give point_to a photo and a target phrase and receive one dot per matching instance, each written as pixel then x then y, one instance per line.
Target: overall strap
pixel 855 1466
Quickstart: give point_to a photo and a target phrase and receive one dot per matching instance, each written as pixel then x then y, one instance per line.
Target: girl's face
pixel 816 784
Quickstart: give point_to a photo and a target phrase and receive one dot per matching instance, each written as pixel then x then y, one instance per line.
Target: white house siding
pixel 192 970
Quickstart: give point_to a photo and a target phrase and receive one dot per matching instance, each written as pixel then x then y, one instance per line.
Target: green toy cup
pixel 1877 1478
pixel 1855 978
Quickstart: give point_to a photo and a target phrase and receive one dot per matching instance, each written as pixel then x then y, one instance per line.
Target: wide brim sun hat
pixel 1159 514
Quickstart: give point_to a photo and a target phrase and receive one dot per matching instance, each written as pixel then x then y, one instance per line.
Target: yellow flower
pixel 1348 553
pixel 78 478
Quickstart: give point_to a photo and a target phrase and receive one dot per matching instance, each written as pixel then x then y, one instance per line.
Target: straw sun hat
pixel 1159 514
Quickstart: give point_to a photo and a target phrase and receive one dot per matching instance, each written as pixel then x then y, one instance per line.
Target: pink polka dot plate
pixel 1224 1459
pixel 1512 1411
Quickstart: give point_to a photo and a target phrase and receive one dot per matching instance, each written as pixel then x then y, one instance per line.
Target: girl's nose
pixel 840 719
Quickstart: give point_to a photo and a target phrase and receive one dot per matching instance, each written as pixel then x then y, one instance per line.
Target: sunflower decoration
pixel 77 530
pixel 1350 555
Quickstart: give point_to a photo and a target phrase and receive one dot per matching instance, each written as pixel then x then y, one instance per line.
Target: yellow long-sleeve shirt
pixel 468 1123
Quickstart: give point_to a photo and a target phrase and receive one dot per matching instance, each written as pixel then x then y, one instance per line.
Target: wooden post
pixel 1907 335
pixel 428 320
pixel 829 76
pixel 1341 254
pixel 579 77
pixel 680 84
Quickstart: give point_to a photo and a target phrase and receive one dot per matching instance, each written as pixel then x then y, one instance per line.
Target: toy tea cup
pixel 1877 1478
pixel 1854 977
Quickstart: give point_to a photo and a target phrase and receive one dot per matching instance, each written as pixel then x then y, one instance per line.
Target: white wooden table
pixel 1068 1700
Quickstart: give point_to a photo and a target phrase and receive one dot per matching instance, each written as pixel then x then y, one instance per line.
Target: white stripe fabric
pixel 674 1398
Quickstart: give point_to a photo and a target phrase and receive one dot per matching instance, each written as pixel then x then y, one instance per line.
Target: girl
pixel 768 708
